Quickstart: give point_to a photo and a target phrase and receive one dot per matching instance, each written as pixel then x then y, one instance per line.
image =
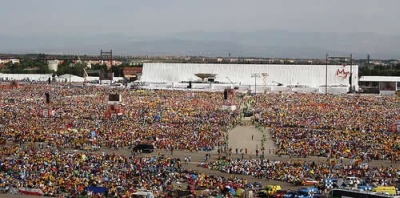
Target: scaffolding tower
pixel 265 76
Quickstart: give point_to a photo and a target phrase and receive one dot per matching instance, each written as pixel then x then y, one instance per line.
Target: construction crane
pixel 235 86
pixel 278 83
pixel 84 67
pixel 85 75
pixel 79 60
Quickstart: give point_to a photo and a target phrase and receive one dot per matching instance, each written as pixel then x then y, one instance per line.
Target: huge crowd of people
pixel 298 171
pixel 37 146
pixel 180 120
pixel 70 174
pixel 332 125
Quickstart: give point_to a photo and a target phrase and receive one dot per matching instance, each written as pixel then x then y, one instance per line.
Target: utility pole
pixel 341 58
pixel 255 76
pixel 326 74
pixel 351 73
pixel 71 65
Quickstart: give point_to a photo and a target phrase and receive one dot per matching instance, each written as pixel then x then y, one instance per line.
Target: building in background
pixel 132 73
pixel 385 85
pixel 53 65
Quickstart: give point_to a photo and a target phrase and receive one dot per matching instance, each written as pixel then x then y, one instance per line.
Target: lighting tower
pixel 265 76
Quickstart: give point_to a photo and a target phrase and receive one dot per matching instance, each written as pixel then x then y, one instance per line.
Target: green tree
pixel 380 70
pixel 30 65
pixel 14 68
pixel 117 70
pixel 78 69
pixel 64 67
pixel 99 67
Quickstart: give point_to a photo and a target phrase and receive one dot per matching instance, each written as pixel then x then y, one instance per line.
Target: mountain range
pixel 268 43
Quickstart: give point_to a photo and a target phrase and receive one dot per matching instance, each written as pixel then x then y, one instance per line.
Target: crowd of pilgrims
pixel 332 126
pixel 337 127
pixel 63 152
pixel 354 127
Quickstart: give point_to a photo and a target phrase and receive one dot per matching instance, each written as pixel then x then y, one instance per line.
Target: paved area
pixel 242 137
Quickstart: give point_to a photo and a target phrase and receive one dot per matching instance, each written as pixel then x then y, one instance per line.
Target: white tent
pixel 25 77
pixel 70 78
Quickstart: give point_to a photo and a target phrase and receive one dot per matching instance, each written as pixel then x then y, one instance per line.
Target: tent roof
pixel 69 75
pixel 380 79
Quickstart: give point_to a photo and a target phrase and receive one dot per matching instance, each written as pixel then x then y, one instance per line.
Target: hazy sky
pixel 163 17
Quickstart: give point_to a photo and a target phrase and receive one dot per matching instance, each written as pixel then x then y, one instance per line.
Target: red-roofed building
pixel 2 66
pixel 132 73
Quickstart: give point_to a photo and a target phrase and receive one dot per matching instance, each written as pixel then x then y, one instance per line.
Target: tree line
pixel 390 70
pixel 39 66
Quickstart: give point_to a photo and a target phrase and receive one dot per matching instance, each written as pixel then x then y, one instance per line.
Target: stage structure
pixel 208 76
pixel 107 56
pixel 307 77
pixel 114 105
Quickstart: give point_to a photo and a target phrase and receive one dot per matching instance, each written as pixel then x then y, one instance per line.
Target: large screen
pixel 106 75
pixel 114 97
pixel 396 127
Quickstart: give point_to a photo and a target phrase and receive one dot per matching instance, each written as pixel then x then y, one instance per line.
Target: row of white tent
pixel 45 77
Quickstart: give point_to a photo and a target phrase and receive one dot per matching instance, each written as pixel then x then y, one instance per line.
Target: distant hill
pixel 274 43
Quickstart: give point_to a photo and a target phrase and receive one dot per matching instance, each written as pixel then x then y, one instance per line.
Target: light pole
pixel 344 59
pixel 70 71
pixel 326 74
pixel 255 76
pixel 351 73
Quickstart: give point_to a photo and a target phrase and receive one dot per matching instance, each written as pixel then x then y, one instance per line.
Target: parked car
pixel 144 148
pixel 310 192
pixel 279 193
pixel 290 194
pixel 270 190
pixel 310 182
